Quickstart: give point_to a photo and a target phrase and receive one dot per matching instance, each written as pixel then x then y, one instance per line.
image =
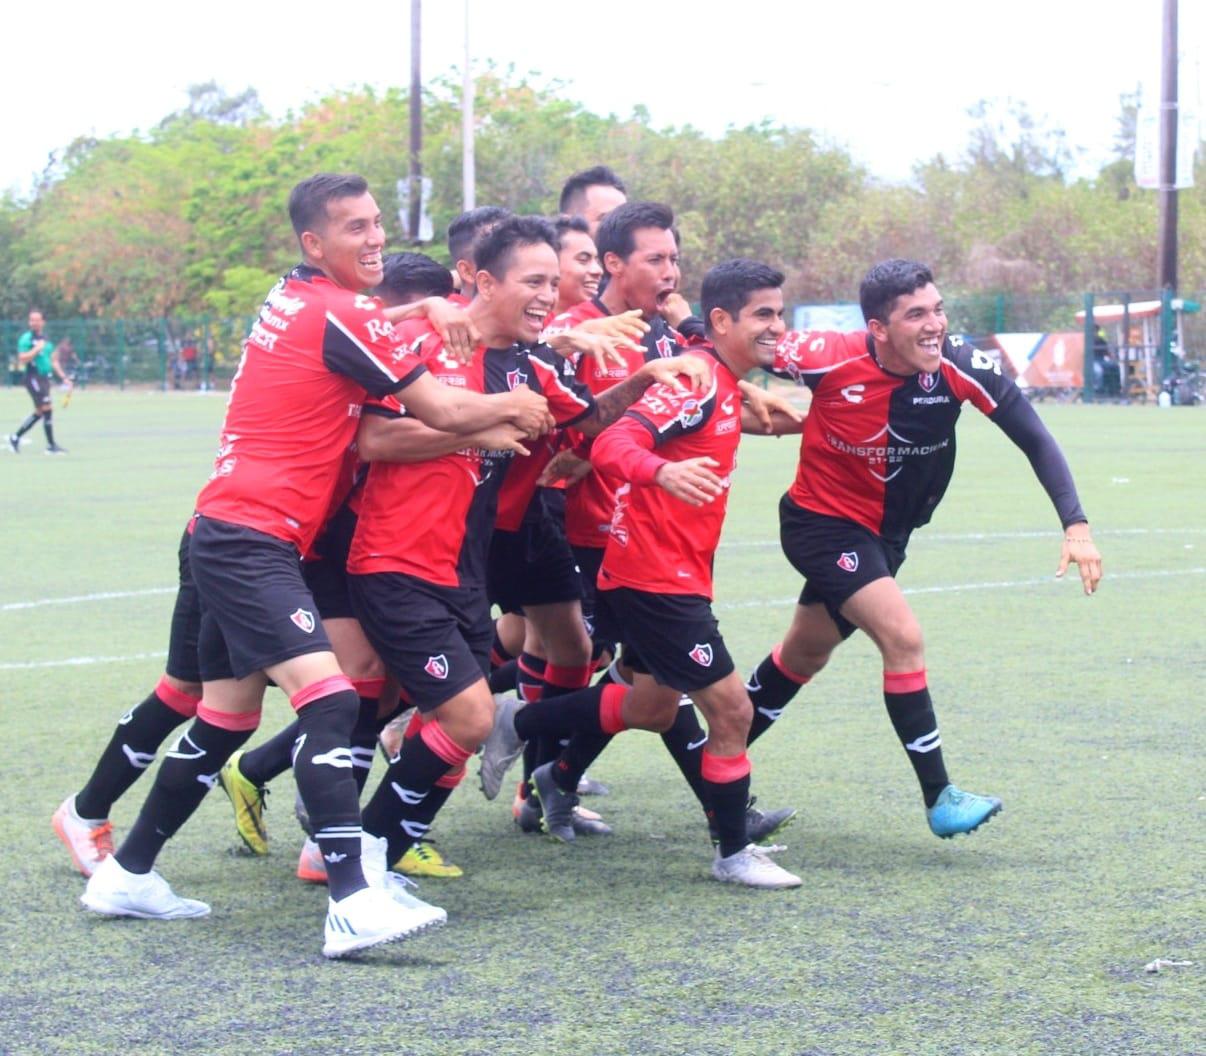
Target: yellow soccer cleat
pixel 248 802
pixel 423 859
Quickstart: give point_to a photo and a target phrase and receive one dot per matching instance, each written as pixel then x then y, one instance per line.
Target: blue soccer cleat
pixel 955 811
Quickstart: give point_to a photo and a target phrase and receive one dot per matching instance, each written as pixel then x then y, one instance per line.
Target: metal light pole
pixel 1167 245
pixel 468 173
pixel 415 202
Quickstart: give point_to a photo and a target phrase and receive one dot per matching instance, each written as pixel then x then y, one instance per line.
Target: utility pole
pixel 415 201
pixel 1167 244
pixel 468 168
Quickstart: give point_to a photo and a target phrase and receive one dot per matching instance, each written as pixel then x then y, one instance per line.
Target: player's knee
pixel 903 643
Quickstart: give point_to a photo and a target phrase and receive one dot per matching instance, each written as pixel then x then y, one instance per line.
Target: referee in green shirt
pixel 41 362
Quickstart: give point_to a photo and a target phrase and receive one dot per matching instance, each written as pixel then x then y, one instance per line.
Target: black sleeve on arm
pixel 692 328
pixel 1019 421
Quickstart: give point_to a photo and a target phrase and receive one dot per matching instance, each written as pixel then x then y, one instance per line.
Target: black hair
pixel 573 193
pixel 467 230
pixel 888 280
pixel 564 224
pixel 495 251
pixel 730 284
pixel 615 233
pixel 411 276
pixel 308 200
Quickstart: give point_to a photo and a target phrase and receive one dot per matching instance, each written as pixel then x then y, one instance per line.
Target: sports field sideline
pixel 1029 937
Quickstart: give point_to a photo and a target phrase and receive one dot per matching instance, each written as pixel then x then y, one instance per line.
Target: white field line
pixel 950 588
pixel 954 588
pixel 78 599
pixel 974 537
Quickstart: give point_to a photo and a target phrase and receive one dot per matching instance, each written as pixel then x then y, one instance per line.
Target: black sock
pixel 770 688
pixel 130 751
pixel 502 678
pixel 364 741
pixel 577 756
pixel 48 428
pixel 408 782
pixel 190 769
pixel 912 715
pixel 322 768
pixel 562 716
pixel 729 796
pixel 27 425
pixel 415 820
pixel 272 758
pixel 685 742
pixel 529 677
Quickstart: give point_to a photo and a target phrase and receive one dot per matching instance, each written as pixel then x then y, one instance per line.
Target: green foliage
pixel 190 217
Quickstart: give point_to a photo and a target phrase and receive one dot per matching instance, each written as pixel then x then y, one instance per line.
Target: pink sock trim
pixel 224 720
pixel 444 746
pixel 723 769
pixel 527 668
pixel 368 687
pixel 414 726
pixel 776 659
pixel 452 778
pixel 171 697
pixel 567 677
pixel 904 681
pixel 324 687
pixel 611 709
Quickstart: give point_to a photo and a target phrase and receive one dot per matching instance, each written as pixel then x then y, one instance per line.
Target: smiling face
pixel 649 274
pixel 910 341
pixel 348 246
pixel 749 340
pixel 580 269
pixel 517 304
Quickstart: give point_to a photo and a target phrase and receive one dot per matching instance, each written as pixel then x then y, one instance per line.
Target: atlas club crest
pixel 304 619
pixel 848 562
pixel 437 666
pixel 929 382
pixel 702 655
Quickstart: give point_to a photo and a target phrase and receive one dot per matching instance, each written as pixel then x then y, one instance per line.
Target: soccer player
pixel 592 194
pixel 37 354
pixel 578 260
pixel 418 556
pixel 675 454
pixel 317 347
pixel 464 233
pixel 877 454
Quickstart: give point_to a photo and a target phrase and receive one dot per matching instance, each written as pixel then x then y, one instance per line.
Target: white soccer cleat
pixel 89 842
pixel 114 892
pixel 753 867
pixel 370 917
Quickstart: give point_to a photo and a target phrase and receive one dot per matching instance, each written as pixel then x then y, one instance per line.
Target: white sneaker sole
pixel 112 909
pixel 346 946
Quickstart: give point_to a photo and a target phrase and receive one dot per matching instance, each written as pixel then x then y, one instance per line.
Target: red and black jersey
pixel 433 520
pixel 879 448
pixel 658 543
pixel 294 405
pixel 590 502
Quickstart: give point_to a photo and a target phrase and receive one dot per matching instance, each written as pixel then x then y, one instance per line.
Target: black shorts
pixel 182 660
pixel 835 556
pixel 256 610
pixel 589 559
pixel 673 637
pixel 327 574
pixel 434 640
pixel 38 387
pixel 535 565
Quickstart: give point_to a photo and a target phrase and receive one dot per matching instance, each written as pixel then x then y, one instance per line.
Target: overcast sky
pixel 890 81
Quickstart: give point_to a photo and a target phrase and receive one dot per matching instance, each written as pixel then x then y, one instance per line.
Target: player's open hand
pixel 604 349
pixel 530 412
pixel 504 437
pixel 695 369
pixel 627 326
pixel 564 466
pixel 691 480
pixel 764 405
pixel 454 326
pixel 1080 550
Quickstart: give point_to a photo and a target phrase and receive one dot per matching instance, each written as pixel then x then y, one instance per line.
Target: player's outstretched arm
pixel 766 413
pixel 1080 550
pixel 384 439
pixel 626 452
pixel 451 322
pixel 460 411
pixel 674 371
